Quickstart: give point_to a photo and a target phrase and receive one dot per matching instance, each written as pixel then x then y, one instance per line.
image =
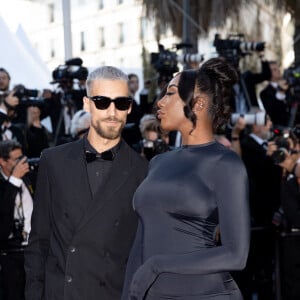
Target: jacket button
pixel 72 249
pixel 69 279
pixel 117 222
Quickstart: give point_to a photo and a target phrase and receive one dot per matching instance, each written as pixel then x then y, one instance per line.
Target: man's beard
pixel 109 132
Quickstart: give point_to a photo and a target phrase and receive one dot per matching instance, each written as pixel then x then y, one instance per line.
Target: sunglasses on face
pixel 102 102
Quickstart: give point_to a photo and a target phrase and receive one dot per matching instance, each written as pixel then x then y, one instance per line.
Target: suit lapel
pixel 120 171
pixel 79 181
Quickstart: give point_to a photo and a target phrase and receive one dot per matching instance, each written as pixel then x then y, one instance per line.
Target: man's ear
pixel 86 104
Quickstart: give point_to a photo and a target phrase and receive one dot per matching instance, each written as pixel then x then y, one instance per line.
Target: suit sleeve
pixel 134 261
pixel 37 249
pixel 230 184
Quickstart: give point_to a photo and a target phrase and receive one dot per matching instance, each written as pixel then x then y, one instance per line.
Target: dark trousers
pixel 290 266
pixel 12 276
pixel 257 277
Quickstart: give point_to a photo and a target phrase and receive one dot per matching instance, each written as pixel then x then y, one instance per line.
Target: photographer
pixel 275 97
pixel 4 80
pixel 236 132
pixel 232 49
pixel 15 215
pixel 80 124
pixel 131 133
pixel 62 103
pixel 8 130
pixel 154 140
pixel 289 237
pixel 37 136
pixel 264 187
pixel 251 79
pixel 7 100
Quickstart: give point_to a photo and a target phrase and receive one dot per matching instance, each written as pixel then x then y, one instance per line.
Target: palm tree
pixel 204 14
pixel 201 15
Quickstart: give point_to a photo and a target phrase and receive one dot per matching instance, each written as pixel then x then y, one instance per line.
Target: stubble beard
pixel 108 132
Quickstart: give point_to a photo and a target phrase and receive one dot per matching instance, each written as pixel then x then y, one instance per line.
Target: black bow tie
pixel 106 155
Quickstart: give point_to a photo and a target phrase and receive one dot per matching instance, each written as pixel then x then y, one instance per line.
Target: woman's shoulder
pixel 229 159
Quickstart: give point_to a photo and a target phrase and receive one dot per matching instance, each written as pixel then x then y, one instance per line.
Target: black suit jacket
pixel 79 245
pixel 264 182
pixel 279 111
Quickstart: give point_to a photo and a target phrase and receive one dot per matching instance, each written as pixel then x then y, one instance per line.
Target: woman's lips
pixel 160 114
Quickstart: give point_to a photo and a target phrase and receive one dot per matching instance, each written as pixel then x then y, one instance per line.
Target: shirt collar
pixel 90 148
pixel 259 140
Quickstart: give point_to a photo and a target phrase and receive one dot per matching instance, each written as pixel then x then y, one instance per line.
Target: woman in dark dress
pixel 193 205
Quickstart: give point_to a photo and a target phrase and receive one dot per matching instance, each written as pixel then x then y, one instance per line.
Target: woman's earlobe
pixel 199 105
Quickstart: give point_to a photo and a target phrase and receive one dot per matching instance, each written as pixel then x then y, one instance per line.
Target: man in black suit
pixel 15 213
pixel 83 223
pixel 264 188
pixel 275 97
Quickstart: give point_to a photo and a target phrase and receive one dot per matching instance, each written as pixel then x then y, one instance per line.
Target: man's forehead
pixel 109 86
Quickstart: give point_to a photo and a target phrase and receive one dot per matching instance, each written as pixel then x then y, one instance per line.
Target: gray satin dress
pixel 193 226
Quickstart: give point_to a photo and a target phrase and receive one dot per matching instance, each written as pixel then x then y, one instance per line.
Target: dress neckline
pixel 198 145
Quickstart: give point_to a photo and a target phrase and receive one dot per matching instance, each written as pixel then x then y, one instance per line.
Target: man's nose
pixel 112 109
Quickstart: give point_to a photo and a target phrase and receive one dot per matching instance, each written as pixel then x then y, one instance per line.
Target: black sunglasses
pixel 102 102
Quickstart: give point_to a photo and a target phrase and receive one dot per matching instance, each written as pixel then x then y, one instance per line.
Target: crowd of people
pixel 84 215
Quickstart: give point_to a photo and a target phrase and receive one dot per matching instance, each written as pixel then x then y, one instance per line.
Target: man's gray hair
pixel 106 73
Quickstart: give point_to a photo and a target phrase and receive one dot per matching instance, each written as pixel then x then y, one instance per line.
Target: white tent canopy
pixel 23 38
pixel 23 65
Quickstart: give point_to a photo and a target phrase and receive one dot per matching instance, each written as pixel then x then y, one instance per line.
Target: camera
pixel 28 97
pixel 72 69
pixel 283 147
pixel 235 47
pixel 21 92
pixel 18 230
pixel 296 131
pixel 152 148
pixel 33 163
pixel 165 61
pixel 258 118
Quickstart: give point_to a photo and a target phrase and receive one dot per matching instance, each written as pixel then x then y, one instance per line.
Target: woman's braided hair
pixel 214 78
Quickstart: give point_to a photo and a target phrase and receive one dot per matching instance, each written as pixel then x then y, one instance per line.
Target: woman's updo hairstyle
pixel 215 78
